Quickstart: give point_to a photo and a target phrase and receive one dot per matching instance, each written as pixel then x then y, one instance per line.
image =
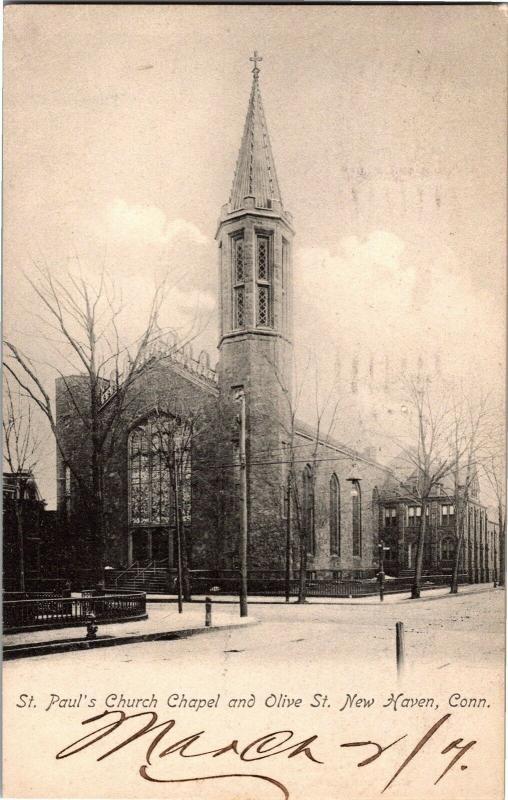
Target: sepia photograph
pixel 254 485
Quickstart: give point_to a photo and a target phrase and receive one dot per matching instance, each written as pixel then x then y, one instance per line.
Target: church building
pixel 179 432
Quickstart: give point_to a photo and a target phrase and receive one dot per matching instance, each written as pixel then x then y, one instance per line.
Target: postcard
pixel 253 401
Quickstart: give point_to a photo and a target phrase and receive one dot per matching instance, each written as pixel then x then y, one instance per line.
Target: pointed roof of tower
pixel 255 174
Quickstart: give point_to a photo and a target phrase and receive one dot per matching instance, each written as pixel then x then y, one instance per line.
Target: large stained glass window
pixel 159 451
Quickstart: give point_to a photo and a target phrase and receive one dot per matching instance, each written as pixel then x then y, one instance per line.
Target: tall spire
pixel 255 174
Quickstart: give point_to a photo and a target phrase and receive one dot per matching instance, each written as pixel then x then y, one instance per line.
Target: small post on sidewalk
pixel 208 612
pixel 399 645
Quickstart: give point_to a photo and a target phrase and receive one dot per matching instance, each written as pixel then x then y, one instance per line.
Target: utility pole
pixel 240 397
pixel 176 489
pixel 288 539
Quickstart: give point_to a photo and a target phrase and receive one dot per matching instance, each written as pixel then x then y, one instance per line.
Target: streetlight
pixel 381 573
pixel 107 571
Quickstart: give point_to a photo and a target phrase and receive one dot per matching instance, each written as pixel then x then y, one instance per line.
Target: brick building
pixel 24 518
pixel 182 421
pixel 400 522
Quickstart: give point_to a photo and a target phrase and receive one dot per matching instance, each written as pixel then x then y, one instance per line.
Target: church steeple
pixel 255 234
pixel 255 174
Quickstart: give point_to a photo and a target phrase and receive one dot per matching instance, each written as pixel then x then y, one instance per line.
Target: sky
pixel 122 127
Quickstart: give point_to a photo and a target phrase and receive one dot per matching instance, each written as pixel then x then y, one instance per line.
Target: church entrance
pixel 151 544
pixel 140 545
pixel 160 544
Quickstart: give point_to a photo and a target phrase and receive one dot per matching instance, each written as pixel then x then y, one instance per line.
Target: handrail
pixel 134 563
pixel 151 566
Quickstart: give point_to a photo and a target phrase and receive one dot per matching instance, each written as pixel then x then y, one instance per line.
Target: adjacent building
pixel 447 522
pixel 23 527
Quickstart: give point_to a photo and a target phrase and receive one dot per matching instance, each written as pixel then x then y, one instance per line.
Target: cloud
pixel 148 225
pixel 381 296
pixel 380 247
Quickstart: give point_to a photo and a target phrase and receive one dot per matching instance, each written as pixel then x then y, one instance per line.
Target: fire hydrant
pixel 91 627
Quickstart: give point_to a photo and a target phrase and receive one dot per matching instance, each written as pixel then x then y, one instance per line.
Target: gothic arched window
pixel 159 459
pixel 334 515
pixel 356 514
pixel 308 509
pixel 238 282
pixel 264 281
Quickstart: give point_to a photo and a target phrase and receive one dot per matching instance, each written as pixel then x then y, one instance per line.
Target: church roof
pixel 255 174
pixel 303 429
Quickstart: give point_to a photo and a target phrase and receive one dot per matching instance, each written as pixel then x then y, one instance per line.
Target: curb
pixel 342 602
pixel 11 652
pixel 59 625
pixel 458 594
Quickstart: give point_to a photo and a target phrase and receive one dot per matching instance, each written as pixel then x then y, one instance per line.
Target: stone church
pixel 181 419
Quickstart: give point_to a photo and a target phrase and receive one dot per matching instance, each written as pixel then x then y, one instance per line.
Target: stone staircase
pixel 152 578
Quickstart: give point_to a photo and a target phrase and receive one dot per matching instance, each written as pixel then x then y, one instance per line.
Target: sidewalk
pixel 164 622
pixel 398 597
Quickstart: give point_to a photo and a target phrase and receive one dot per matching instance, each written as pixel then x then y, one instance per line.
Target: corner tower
pixel 255 236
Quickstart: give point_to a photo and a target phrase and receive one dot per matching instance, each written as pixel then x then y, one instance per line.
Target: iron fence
pixel 56 612
pixel 266 584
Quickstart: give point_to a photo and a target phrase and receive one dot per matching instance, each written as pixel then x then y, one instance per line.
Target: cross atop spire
pixel 255 58
pixel 255 174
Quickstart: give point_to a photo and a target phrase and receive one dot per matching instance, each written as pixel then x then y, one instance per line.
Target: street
pixel 465 630
pixel 325 670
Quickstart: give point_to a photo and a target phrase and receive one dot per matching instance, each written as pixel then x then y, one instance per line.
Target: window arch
pixel 308 509
pixel 334 515
pixel 158 452
pixel 356 515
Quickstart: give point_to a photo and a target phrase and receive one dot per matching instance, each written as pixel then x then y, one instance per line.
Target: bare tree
pixel 83 316
pixel 177 431
pixel 301 493
pixel 21 453
pixel 429 461
pixel 494 471
pixel 468 440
